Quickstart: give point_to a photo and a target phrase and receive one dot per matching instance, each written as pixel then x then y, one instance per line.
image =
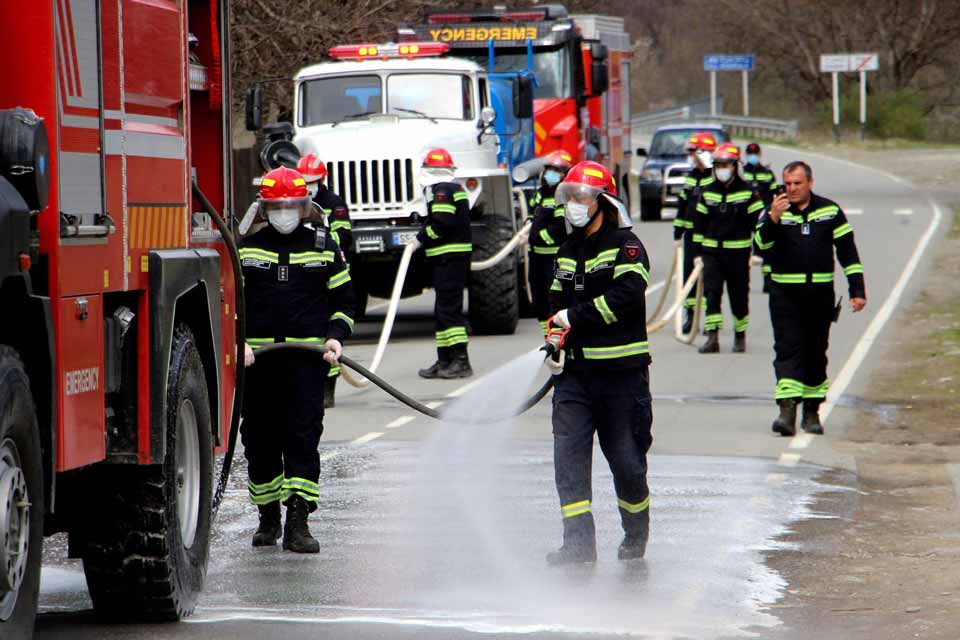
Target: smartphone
pixel 781 190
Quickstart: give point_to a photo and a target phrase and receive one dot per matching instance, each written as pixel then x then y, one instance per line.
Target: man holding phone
pixel 798 237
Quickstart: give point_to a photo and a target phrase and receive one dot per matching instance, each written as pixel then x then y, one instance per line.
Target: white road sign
pixel 831 63
pixel 864 62
pixel 845 62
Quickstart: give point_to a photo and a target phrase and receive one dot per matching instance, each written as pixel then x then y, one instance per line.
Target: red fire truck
pixel 117 334
pixel 581 63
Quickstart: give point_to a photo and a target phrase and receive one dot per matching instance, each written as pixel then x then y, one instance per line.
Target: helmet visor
pixel 576 192
pixel 276 205
pixel 430 176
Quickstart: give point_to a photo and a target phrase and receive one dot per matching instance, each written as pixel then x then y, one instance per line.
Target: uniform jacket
pixel 695 182
pixel 726 217
pixel 761 181
pixel 338 217
pixel 800 248
pixel 602 281
pixel 296 290
pixel 548 230
pixel 447 230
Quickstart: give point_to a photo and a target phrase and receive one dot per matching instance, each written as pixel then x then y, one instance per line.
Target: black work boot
pixel 442 364
pixel 712 345
pixel 459 365
pixel 687 321
pixel 786 422
pixel 296 534
pixel 740 342
pixel 270 529
pixel 634 544
pixel 579 542
pixel 810 422
pixel 330 392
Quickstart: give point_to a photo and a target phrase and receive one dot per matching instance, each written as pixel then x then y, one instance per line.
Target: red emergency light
pixel 408 50
pixel 523 16
pixel 447 18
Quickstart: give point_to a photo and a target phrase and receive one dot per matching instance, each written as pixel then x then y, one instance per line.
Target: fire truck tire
pixel 494 303
pixel 21 500
pixel 650 210
pixel 147 558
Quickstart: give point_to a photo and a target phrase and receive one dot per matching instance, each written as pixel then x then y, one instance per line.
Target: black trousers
pixel 450 274
pixel 801 315
pixel 616 406
pixel 730 267
pixel 688 254
pixel 282 425
pixel 542 271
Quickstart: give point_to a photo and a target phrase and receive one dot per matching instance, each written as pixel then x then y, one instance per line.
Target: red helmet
pixel 559 159
pixel 585 181
pixel 693 143
pixel 706 141
pixel 438 159
pixel 726 152
pixel 282 183
pixel 312 168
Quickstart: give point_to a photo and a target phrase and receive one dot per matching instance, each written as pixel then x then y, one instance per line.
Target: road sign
pixel 728 63
pixel 844 62
pixel 864 62
pixel 833 63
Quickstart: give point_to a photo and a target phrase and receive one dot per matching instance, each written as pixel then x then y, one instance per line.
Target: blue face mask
pixel 753 159
pixel 552 178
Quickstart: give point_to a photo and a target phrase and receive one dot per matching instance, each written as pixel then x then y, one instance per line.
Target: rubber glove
pixel 556 366
pixel 334 351
pixel 248 357
pixel 561 319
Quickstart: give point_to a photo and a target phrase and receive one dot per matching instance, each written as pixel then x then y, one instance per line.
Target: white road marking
pixel 789 459
pixel 776 478
pixel 399 422
pixel 329 455
pixel 853 212
pixel 866 341
pixel 459 391
pixel 903 212
pixel 373 435
pixel 801 440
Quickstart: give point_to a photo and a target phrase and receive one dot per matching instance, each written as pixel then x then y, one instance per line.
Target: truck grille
pixel 373 187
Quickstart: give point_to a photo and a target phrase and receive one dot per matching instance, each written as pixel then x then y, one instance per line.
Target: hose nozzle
pixel 556 336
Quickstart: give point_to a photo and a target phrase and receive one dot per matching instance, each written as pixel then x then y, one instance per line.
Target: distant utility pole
pixel 837 63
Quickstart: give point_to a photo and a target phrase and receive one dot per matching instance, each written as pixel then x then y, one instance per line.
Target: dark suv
pixel 666 166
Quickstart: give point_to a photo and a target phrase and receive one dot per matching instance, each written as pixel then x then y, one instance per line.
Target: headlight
pixel 652 175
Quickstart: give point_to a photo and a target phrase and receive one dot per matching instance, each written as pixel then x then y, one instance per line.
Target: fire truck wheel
pixel 21 500
pixel 494 304
pixel 147 558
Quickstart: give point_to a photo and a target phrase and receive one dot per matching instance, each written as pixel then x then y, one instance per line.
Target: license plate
pixel 403 238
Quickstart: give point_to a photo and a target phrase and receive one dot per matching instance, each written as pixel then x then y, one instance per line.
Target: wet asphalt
pixel 439 529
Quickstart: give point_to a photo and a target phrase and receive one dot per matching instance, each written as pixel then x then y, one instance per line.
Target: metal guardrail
pixel 737 125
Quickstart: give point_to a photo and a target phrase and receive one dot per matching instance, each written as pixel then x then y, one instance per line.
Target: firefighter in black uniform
pixel 700 147
pixel 547 233
pixel 336 216
pixel 601 380
pixel 799 235
pixel 726 218
pixel 764 183
pixel 298 290
pixel 446 241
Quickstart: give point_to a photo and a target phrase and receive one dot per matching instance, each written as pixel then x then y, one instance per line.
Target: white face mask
pixel 284 220
pixel 577 214
pixel 706 159
pixel 430 176
pixel 724 174
pixel 313 188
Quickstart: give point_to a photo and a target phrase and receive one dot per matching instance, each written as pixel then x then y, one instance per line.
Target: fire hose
pixel 682 290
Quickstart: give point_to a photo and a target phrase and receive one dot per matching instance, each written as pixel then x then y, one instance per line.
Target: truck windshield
pixel 674 142
pixel 551 67
pixel 430 95
pixel 326 100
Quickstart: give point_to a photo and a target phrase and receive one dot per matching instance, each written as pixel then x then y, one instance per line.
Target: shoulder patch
pixel 632 251
pixel 439 196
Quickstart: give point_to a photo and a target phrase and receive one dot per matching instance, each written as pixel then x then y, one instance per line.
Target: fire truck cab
pixel 117 336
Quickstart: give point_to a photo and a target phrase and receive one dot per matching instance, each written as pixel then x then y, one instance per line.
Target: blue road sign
pixel 728 63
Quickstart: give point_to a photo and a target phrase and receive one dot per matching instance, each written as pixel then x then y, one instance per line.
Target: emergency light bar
pixel 509 16
pixel 408 50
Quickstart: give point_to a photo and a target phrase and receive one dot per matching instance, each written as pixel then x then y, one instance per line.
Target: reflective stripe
pixel 851 269
pixel 575 508
pixel 823 212
pixel 311 256
pixel 545 251
pixel 621 269
pixel 760 243
pixel 620 351
pixel 756 206
pixel 819 391
pixel 442 208
pixel 256 343
pixel 634 507
pixel 788 388
pixel 451 336
pixel 741 324
pixel 767 269
pixel 309 491
pixel 820 278
pixel 431 233
pixel 698 237
pixel 310 340
pixel 713 321
pixel 546 237
pixel 340 224
pixel 606 313
pixel 549 202
pixel 555 286
pixel 566 264
pixel 739 196
pixel 543 327
pixel 736 244
pixel 341 278
pixel 712 198
pixel 455 247
pixel 682 223
pixel 604 256
pixel 339 315
pixel 701 208
pixel 710 243
pixel 791 217
pixel 334 372
pixel 690 181
pixel 842 230
pixel 267 492
pixel 789 278
pixel 259 254
pixel 460 195
pixel 559 212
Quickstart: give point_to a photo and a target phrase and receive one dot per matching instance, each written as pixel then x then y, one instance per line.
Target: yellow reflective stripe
pixel 706 181
pixel 711 197
pixel 604 256
pixel 274 484
pixel 555 286
pixel 789 278
pixel 701 208
pixel 339 315
pixel 311 256
pixel 823 212
pixel 736 244
pixel 566 264
pixel 698 237
pixel 760 243
pixel 549 202
pixel 460 195
pixel 788 388
pixel 341 278
pixel 309 491
pixel 261 254
pixel 842 230
pixel 739 196
pixel 618 351
pixel 545 251
pixel 634 507
pixel 256 343
pixel 682 223
pixel 791 217
pixel 741 324
pixel 710 243
pixel 756 206
pixel 690 181
pixel 819 391
pixel 821 277
pixel 431 233
pixel 334 372
pixel 443 208
pixel 606 313
pixel 621 269
pixel 851 269
pixel 545 236
pixel 559 212
pixel 575 509
pixel 340 224
pixel 451 336
pixel 457 247
pixel 310 340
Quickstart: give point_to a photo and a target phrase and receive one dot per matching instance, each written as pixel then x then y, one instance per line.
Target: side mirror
pixel 487 116
pixel 641 152
pixel 599 77
pixel 523 97
pixel 598 51
pixel 254 108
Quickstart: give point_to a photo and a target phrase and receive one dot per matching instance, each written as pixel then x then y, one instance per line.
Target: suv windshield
pixel 674 141
pixel 326 100
pixel 430 95
pixel 550 66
